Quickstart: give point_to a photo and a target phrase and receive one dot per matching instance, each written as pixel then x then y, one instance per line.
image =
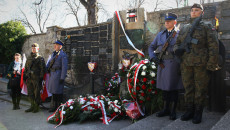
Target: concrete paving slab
pixel 223 123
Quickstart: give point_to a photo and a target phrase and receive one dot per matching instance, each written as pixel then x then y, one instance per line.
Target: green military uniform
pixel 195 65
pixel 34 73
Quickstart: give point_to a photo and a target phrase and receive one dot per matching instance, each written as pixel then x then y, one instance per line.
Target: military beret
pixel 59 42
pixel 35 45
pixel 170 16
pixel 197 6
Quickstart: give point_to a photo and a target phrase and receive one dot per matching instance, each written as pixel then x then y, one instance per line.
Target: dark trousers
pixel 170 96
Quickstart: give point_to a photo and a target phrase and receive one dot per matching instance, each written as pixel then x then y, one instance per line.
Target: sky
pixel 9 10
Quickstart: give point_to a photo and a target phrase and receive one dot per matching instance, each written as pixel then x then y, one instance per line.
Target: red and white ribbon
pixel 128 39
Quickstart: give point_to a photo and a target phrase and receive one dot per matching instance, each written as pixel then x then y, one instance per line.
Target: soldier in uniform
pixel 168 77
pixel 196 64
pixel 33 75
pixel 57 68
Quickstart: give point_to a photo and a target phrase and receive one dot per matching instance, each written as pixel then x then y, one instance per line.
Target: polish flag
pixel 22 83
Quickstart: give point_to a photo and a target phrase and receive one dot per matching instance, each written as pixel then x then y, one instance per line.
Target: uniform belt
pixel 55 69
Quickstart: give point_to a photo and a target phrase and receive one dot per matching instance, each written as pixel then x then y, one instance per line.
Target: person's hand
pixel 61 81
pixel 212 67
pixel 14 72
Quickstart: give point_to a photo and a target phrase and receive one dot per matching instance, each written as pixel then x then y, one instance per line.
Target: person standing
pixel 168 77
pixel 196 64
pixel 57 68
pixel 33 75
pixel 14 71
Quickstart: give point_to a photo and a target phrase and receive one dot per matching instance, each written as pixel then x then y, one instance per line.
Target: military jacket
pixel 35 66
pixel 205 52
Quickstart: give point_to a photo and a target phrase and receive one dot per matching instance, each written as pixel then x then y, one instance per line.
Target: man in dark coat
pixel 33 75
pixel 168 78
pixel 57 68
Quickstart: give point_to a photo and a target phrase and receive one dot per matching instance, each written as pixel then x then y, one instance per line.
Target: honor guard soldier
pixel 168 77
pixel 197 48
pixel 33 75
pixel 57 68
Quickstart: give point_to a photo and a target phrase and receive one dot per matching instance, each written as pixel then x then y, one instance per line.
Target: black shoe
pixel 36 108
pixel 188 114
pixel 17 107
pixel 172 116
pixel 198 115
pixel 29 110
pixel 163 113
pixel 14 107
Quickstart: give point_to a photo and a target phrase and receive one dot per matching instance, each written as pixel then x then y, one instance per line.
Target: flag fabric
pixel 22 83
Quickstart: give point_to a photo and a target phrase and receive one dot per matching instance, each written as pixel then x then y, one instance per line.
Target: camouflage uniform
pixel 34 72
pixel 195 65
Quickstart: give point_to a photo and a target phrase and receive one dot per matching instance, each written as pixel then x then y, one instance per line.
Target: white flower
pixel 144 67
pixel 63 112
pixel 143 73
pixel 80 96
pixel 70 100
pixel 116 110
pixel 153 66
pixel 152 74
pixel 153 63
pixel 109 103
pixel 116 101
pixel 71 107
pixel 146 61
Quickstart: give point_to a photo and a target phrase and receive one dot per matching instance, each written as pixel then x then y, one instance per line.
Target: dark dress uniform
pixel 14 84
pixel 195 66
pixel 33 74
pixel 168 78
pixel 57 68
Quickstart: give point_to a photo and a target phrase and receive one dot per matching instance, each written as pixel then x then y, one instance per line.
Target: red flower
pixel 149 90
pixel 142 94
pixel 144 79
pixel 137 80
pixel 143 87
pixel 130 80
pixel 134 93
pixel 137 88
pixel 148 98
pixel 85 109
pixel 57 119
pixel 92 105
pixel 155 92
pixel 152 82
pixel 141 101
pixel 106 79
pixel 130 86
pixel 114 114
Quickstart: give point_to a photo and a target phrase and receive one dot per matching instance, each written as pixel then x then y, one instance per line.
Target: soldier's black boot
pixel 54 106
pixel 18 102
pixel 165 111
pixel 14 103
pixel 31 106
pixel 189 113
pixel 172 115
pixel 198 115
pixel 36 107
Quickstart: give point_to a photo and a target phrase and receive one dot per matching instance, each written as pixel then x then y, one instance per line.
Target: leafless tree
pixel 73 7
pixel 136 3
pixel 178 2
pixel 158 2
pixel 92 10
pixel 42 14
pixel 202 1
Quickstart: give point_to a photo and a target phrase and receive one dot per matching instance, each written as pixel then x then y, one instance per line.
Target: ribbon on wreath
pixel 127 37
pixel 62 106
pixel 137 67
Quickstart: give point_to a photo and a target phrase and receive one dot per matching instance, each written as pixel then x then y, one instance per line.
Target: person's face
pixel 169 24
pixel 35 49
pixel 195 12
pixel 17 58
pixel 57 47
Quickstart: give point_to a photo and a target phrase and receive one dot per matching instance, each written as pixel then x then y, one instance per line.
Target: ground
pixel 19 120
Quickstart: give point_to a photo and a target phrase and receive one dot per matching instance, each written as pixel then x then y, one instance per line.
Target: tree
pixel 42 12
pixel 92 10
pixel 74 8
pixel 12 37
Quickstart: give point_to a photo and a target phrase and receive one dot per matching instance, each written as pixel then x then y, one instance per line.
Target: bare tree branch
pixel 157 4
pixel 38 2
pixel 74 8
